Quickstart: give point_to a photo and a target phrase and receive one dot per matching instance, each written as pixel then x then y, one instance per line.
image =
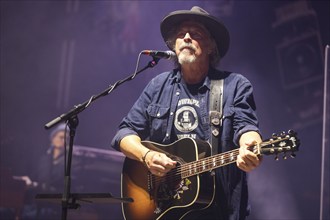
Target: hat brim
pixel 218 31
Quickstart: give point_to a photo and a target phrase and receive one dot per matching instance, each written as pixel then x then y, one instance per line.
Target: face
pixel 192 43
pixel 58 139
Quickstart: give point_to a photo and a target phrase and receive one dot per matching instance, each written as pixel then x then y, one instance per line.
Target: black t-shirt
pixel 190 112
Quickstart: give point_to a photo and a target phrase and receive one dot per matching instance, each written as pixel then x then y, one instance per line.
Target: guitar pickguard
pixel 183 186
pixel 167 191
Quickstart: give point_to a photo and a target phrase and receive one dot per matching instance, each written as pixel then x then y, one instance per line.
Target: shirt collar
pixel 212 74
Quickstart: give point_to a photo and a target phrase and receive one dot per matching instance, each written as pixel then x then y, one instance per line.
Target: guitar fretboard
pixel 280 145
pixel 209 163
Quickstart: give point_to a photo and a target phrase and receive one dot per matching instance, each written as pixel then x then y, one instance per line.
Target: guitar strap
pixel 216 96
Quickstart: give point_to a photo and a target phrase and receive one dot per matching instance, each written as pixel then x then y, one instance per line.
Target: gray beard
pixel 186 59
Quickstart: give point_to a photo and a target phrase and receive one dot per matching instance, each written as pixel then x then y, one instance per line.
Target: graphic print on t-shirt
pixel 186 118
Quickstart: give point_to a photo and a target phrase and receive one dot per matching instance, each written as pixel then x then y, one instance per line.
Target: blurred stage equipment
pixel 12 192
pixel 300 51
pixel 222 8
pixel 93 169
pixel 300 58
pixel 325 165
pixel 96 169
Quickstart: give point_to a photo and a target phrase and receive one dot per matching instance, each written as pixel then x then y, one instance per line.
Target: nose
pixel 187 37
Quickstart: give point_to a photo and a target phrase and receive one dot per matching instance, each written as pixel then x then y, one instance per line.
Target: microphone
pixel 168 54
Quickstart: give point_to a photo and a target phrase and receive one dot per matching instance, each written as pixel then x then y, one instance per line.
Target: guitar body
pixel 171 196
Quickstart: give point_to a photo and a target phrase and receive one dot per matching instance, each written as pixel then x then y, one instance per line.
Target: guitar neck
pixel 283 144
pixel 209 163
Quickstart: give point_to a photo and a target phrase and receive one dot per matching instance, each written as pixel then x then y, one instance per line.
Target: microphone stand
pixel 68 199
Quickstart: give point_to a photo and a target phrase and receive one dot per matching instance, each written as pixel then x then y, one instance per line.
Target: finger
pixel 167 159
pixel 251 161
pixel 159 164
pixel 158 159
pixel 249 157
pixel 157 167
pixel 157 173
pixel 167 162
pixel 250 143
pixel 169 165
pixel 246 163
pixel 241 164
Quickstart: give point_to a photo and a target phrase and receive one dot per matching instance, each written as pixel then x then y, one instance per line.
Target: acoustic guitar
pixel 190 186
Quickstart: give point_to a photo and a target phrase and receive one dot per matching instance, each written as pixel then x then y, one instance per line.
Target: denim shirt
pixel 152 118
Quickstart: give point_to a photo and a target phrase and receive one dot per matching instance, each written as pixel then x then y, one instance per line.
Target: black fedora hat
pixel 218 30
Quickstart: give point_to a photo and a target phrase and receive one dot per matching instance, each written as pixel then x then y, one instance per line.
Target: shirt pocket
pixel 158 116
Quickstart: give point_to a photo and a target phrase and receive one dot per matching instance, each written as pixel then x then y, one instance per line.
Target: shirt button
pixel 171 113
pixel 177 93
pixel 158 114
pixel 167 135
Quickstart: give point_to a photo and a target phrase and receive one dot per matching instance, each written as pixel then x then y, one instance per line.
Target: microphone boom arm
pixel 81 107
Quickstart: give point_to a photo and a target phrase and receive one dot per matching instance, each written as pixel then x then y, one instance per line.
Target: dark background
pixel 55 54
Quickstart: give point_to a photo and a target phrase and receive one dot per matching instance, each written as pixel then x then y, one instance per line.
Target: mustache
pixel 189 46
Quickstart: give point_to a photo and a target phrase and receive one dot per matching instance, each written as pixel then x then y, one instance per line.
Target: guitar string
pixel 176 174
pixel 209 161
pixel 174 177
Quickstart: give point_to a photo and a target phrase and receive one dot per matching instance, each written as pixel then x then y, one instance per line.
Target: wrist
pixel 144 158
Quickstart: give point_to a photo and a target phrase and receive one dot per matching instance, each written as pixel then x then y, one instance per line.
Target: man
pixel 175 104
pixel 48 178
pixel 51 171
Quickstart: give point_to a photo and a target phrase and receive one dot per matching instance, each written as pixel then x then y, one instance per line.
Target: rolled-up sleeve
pixel 120 135
pixel 245 117
pixel 136 121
